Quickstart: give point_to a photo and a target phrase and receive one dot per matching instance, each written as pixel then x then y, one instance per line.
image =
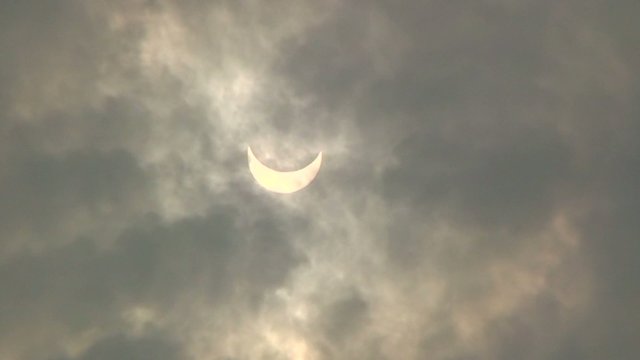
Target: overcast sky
pixel 478 198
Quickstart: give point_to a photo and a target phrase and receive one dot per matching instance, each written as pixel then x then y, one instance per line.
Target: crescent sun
pixel 283 182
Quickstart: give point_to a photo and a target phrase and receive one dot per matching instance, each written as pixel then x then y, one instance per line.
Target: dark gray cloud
pixel 160 268
pixel 133 349
pixel 476 201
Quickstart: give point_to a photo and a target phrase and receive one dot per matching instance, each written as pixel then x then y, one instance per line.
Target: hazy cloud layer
pixel 478 197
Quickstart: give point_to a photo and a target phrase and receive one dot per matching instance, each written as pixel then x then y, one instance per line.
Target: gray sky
pixel 477 200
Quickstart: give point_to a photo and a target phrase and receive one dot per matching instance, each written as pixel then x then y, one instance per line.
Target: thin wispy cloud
pixel 476 198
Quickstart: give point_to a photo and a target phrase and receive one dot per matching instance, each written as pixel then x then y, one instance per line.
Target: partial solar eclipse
pixel 283 182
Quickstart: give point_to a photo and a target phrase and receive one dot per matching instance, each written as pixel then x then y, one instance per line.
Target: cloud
pixel 138 349
pixel 476 198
